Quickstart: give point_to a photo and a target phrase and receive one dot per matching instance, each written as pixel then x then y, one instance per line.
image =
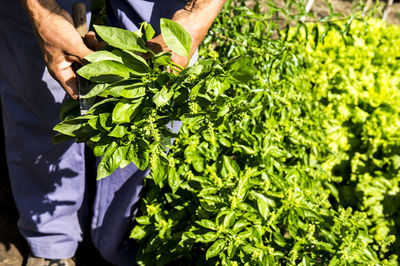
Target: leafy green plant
pixel 138 99
pixel 293 161
pixel 256 190
pixel 359 86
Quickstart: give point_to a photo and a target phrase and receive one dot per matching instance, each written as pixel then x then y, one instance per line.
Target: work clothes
pixel 48 181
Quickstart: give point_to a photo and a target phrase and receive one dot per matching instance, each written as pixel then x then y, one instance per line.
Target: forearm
pixel 39 11
pixel 197 18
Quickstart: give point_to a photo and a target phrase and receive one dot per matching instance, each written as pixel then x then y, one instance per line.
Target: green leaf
pixel 96 90
pixel 176 37
pixel 229 166
pixel 215 249
pixel 133 92
pixel 305 261
pixel 173 179
pixel 138 232
pixel 143 220
pixel 231 250
pixel 141 160
pixel 239 225
pixel 160 172
pixel 69 127
pixel 118 132
pixel 162 97
pixel 135 63
pixel 125 110
pixel 207 224
pixel 116 88
pixel 251 250
pixel 263 204
pixel 197 161
pixel 149 32
pixel 96 138
pixel 69 108
pixel 201 67
pixel 207 237
pixel 207 191
pixel 58 138
pixel 106 121
pixel 225 142
pixel 229 219
pixel 118 157
pixel 242 187
pixel 246 207
pixel 241 68
pixel 95 123
pixel 104 71
pixel 120 38
pixel 124 163
pixel 162 59
pixel 139 156
pixel 278 239
pixel 99 149
pixel 245 234
pixel 105 167
pixel 103 106
pixel 104 55
pixel 216 86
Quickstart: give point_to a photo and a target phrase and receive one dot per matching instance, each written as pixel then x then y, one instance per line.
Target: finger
pixel 78 55
pixel 91 40
pixel 93 43
pixel 101 45
pixel 67 79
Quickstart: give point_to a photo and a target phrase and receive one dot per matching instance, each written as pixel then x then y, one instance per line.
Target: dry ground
pixel 13 249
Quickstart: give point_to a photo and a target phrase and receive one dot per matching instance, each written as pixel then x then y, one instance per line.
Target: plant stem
pixel 177 66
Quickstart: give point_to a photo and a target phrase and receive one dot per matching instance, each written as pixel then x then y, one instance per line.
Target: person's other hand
pixel 158 45
pixel 61 46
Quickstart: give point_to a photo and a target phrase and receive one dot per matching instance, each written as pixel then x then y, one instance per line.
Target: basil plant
pixel 138 95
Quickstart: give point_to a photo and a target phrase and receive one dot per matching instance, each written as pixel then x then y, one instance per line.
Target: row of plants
pixel 288 149
pixel 359 85
pixel 305 171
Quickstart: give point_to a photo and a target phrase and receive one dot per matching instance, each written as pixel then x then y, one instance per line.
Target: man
pixel 37 48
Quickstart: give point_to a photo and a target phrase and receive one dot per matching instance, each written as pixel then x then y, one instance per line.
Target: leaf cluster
pixel 359 87
pixel 137 100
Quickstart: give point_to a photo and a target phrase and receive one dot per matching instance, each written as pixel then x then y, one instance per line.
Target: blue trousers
pixel 48 181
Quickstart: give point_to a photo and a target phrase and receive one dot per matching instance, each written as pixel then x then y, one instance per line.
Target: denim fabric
pixel 47 180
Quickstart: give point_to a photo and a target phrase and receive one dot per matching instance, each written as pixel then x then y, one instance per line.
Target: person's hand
pixel 158 45
pixel 61 46
pixel 196 18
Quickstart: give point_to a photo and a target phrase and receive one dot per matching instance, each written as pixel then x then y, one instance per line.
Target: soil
pixel 13 248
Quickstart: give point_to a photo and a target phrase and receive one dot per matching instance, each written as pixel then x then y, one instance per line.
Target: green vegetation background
pixel 305 168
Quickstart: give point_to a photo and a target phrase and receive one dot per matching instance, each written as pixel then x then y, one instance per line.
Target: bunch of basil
pixel 138 99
